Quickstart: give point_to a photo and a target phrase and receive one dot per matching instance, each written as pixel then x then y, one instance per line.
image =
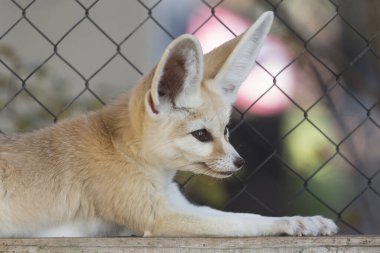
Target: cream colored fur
pixel 113 169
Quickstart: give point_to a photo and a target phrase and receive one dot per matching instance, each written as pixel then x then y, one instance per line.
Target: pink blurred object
pixel 274 57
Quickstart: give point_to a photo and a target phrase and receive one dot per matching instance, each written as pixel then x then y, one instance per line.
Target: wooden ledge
pixel 168 245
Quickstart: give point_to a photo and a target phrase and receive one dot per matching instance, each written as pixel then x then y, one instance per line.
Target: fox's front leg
pixel 184 219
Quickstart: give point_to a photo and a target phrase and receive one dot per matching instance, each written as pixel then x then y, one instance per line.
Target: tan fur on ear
pixel 177 77
pixel 229 64
pixel 215 59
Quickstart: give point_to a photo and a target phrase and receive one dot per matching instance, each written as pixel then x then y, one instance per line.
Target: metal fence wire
pixel 309 131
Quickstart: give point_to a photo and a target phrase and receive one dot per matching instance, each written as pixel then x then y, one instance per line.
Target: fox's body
pixel 114 168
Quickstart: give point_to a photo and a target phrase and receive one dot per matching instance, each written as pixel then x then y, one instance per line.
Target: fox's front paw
pixel 315 225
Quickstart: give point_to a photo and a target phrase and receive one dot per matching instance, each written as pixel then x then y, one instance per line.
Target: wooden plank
pixel 247 244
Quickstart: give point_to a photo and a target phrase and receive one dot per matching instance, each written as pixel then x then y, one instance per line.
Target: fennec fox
pixel 115 167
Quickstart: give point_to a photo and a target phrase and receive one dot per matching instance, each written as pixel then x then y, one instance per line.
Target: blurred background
pixel 307 118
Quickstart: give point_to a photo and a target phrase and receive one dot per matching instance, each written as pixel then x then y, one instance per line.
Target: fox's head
pixel 187 102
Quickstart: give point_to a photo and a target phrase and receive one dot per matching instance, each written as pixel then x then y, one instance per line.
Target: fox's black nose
pixel 239 162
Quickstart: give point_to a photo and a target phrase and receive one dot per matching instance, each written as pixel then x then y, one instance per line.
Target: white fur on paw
pixel 309 226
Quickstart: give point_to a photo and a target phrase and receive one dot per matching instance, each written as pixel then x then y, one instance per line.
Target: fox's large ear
pixel 229 65
pixel 177 78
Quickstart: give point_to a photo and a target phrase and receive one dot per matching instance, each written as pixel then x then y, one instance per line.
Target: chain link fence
pixel 308 127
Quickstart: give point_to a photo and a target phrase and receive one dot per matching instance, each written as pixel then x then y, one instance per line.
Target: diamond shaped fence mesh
pixel 307 119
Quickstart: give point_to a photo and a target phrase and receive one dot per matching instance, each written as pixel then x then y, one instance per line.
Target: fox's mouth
pixel 215 173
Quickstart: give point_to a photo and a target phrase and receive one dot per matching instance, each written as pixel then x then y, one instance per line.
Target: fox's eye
pixel 202 135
